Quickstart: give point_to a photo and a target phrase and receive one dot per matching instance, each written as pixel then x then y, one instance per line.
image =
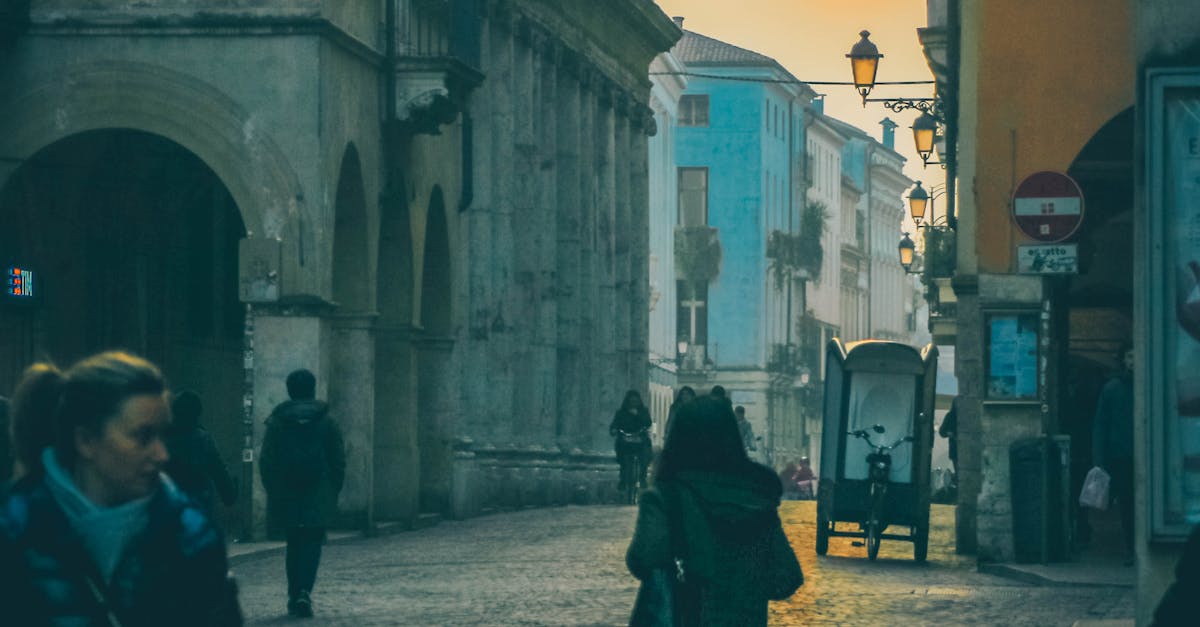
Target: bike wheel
pixel 873 531
pixel 920 544
pixel 631 483
pixel 822 535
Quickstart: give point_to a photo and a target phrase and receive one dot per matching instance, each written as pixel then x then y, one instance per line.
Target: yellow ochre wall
pixel 1048 75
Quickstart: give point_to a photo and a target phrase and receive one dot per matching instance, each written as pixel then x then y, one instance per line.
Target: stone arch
pixel 437 394
pixel 173 105
pixel 351 285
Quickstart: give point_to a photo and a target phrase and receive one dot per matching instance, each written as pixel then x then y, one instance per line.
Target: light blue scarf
pixel 105 531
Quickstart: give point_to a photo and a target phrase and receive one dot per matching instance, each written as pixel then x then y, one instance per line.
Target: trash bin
pixel 1038 471
pixel 1027 463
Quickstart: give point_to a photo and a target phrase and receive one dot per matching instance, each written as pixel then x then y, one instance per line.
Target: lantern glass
pixel 864 61
pixel 918 200
pixel 907 249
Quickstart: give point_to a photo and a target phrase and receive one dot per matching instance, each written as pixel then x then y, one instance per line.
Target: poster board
pixel 1011 362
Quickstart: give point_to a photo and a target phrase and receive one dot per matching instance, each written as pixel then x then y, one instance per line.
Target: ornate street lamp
pixel 907 250
pixel 924 130
pixel 918 198
pixel 864 62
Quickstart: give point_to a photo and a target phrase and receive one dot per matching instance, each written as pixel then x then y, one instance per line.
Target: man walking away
pixel 303 466
pixel 195 464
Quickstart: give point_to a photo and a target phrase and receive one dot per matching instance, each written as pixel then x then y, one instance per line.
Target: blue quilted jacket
pixel 175 573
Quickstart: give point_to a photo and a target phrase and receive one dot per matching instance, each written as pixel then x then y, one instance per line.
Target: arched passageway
pixel 436 396
pixel 134 244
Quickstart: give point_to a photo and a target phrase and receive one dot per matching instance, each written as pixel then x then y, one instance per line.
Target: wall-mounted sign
pixel 1012 356
pixel 1048 206
pixel 19 283
pixel 1048 259
pixel 258 270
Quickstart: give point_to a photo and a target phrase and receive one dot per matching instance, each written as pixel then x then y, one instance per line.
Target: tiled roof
pixel 696 49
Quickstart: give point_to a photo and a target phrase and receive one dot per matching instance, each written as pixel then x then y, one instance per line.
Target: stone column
pixel 397 458
pixel 524 222
pixel 546 244
pixel 605 340
pixel 588 287
pixel 622 236
pixel 568 279
pixel 501 308
pixel 639 228
pixel 352 402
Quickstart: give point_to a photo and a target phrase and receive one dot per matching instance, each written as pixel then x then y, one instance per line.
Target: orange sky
pixel 811 38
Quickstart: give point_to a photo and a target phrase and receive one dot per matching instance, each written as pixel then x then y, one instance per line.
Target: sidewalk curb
pixel 1009 571
pixel 271 549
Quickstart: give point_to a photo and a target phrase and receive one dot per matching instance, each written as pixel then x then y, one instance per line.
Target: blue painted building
pixel 739 149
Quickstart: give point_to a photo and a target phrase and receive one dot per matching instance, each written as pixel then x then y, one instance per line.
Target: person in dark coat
pixel 303 466
pixel 949 430
pixel 102 536
pixel 1112 441
pixel 630 427
pixel 1177 607
pixel 195 464
pixel 685 394
pixel 722 508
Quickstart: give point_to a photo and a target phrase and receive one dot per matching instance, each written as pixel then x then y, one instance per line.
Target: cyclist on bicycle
pixel 631 429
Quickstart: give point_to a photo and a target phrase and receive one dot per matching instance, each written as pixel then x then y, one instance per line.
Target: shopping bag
pixel 1095 489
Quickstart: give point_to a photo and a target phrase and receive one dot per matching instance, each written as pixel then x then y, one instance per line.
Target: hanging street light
pixel 924 129
pixel 918 198
pixel 907 251
pixel 864 62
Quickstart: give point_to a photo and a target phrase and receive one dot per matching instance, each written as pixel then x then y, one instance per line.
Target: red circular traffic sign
pixel 1048 206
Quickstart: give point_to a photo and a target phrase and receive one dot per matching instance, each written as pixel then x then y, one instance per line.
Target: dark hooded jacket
pixel 734 550
pixel 314 506
pixel 196 465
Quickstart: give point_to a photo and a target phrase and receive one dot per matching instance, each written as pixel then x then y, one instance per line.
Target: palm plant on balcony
pixel 800 253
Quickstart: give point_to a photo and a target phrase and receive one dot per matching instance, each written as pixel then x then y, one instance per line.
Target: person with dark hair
pixel 949 430
pixel 195 464
pixel 32 411
pixel 714 511
pixel 718 391
pixel 1112 441
pixel 102 536
pixel 303 467
pixel 685 394
pixel 745 429
pixel 630 427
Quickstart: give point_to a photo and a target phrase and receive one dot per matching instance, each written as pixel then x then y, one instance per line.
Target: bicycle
pixel 633 469
pixel 879 467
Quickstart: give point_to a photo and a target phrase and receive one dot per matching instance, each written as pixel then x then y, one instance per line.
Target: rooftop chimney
pixel 889 133
pixel 678 21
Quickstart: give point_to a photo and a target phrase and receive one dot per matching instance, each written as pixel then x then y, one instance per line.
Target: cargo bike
pixel 876 443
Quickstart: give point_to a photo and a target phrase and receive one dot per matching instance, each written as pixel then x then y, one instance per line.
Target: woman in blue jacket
pixel 102 537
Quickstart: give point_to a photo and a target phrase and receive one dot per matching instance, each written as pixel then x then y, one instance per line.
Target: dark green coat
pixel 735 548
pixel 314 507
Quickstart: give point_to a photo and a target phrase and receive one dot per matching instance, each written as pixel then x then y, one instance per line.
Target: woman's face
pixel 124 459
pixel 687 395
pixel 632 401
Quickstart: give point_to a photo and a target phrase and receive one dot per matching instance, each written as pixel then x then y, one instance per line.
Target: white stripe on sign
pixel 1065 206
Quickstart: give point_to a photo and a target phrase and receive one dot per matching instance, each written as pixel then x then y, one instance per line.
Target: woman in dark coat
pixel 101 536
pixel 196 465
pixel 724 507
pixel 631 418
pixel 685 394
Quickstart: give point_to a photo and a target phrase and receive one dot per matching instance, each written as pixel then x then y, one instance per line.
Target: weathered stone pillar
pixel 607 375
pixel 501 309
pixel 435 418
pixel 568 280
pixel 524 222
pixel 352 402
pixel 589 286
pixel 639 244
pixel 397 458
pixel 546 245
pixel 621 239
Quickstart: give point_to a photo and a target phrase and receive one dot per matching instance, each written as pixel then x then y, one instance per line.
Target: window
pixel 693 196
pixel 693 110
pixel 691 320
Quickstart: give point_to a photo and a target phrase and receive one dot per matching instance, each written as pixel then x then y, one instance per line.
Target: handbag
pixel 1095 489
pixel 663 598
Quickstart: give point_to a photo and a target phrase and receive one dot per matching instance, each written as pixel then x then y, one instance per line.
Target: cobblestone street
pixel 565 566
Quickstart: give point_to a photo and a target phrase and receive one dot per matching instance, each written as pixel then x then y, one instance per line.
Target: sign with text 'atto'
pixel 1048 206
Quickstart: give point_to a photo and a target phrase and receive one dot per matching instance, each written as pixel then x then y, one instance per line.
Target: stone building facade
pixel 438 207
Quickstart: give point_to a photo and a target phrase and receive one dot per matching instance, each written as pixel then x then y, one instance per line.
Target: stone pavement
pixel 565 566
